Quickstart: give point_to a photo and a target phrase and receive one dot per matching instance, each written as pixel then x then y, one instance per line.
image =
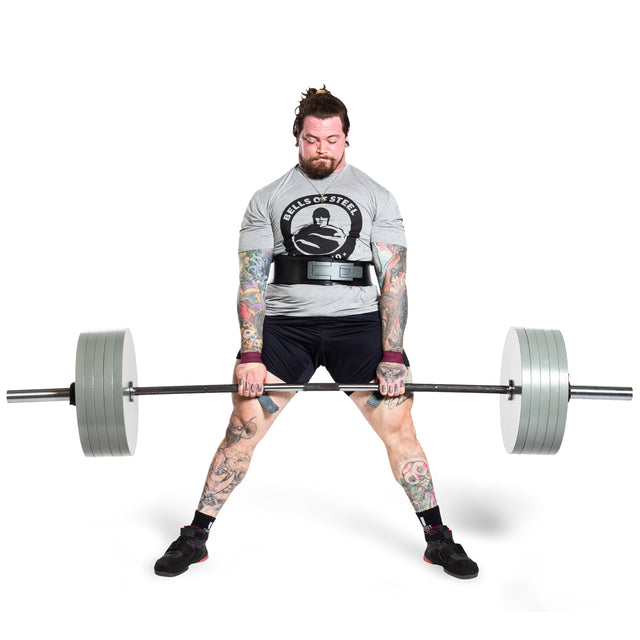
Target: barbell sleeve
pixel 600 393
pixel 39 395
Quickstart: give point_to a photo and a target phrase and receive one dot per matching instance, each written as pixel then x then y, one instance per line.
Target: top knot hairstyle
pixel 320 103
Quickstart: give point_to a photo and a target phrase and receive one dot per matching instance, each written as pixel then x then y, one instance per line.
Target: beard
pixel 318 168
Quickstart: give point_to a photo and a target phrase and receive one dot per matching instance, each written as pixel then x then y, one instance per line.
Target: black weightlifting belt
pixel 320 270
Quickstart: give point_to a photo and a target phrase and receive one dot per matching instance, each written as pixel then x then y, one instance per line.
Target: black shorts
pixel 349 347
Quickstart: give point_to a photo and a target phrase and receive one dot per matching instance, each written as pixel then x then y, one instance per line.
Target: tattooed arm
pixel 254 272
pixel 390 263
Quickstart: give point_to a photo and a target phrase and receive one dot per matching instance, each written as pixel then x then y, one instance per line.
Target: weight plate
pixel 116 393
pixel 89 383
pixel 514 411
pixel 98 394
pixel 534 408
pixel 126 410
pixel 109 388
pixel 527 389
pixel 563 396
pixel 81 396
pixel 534 389
pixel 539 419
pixel 554 392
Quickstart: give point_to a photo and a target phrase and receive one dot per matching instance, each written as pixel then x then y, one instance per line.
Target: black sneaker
pixel 188 549
pixel 443 551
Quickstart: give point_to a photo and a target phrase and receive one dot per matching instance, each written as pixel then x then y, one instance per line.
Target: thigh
pixel 391 419
pixel 250 420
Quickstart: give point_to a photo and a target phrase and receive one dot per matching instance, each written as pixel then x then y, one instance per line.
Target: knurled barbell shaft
pixel 579 392
pixel 323 386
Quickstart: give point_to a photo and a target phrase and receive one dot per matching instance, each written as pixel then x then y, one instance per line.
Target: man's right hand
pixel 251 377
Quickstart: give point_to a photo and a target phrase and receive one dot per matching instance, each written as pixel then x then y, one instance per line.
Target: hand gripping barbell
pixel 535 392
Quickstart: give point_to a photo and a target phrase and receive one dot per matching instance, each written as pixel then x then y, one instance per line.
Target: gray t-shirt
pixel 338 216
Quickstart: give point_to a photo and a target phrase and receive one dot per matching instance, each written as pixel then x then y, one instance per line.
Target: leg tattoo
pixel 229 466
pixel 392 403
pixel 417 483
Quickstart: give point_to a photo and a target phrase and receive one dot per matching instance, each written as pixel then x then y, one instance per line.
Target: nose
pixel 320 147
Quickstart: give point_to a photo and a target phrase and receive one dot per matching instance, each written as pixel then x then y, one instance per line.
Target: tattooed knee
pixel 239 429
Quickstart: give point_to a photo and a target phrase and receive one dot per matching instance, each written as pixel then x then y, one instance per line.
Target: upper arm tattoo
pixel 254 273
pixel 390 262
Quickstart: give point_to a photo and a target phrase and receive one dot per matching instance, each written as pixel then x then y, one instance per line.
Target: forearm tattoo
pixel 416 481
pixel 254 272
pixel 390 262
pixel 229 466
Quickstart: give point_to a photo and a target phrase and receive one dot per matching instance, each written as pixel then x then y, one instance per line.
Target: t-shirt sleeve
pixel 387 223
pixel 256 231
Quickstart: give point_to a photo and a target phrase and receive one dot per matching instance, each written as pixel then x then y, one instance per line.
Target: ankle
pixel 429 518
pixel 202 521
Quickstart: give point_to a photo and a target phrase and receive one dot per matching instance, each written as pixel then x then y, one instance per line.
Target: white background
pixel 132 137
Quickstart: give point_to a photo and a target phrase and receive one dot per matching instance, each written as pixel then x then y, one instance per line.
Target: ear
pixel 346 142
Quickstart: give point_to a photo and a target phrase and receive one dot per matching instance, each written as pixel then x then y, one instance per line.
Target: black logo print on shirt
pixel 317 225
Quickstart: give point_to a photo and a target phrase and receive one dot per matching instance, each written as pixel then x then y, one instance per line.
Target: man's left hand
pixel 391 378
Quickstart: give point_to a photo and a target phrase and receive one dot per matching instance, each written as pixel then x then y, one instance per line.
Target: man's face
pixel 321 146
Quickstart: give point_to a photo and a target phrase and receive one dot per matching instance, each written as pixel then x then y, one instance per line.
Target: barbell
pixel 534 392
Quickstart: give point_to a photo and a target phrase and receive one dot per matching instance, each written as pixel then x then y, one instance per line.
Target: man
pixel 321 309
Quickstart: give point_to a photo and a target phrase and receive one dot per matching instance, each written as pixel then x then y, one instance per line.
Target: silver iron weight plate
pixel 81 402
pixel 563 396
pixel 516 369
pixel 89 381
pixel 554 392
pixel 540 372
pixel 108 390
pixel 126 409
pixel 534 410
pixel 98 394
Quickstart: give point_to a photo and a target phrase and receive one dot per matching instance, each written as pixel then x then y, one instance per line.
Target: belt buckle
pixel 333 271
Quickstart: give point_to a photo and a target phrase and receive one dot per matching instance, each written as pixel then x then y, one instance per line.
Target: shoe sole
pixel 455 575
pixel 166 574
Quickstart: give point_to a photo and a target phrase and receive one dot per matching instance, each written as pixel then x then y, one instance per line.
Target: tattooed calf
pixel 417 483
pixel 229 466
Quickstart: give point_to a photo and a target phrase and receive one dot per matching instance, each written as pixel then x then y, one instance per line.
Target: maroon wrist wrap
pixel 251 356
pixel 392 356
